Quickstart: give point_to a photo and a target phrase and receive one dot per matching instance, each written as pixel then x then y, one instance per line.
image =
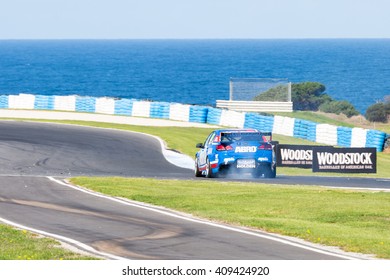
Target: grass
pixel 355 221
pixel 23 245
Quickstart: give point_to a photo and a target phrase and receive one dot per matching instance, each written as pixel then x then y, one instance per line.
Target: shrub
pixel 277 93
pixel 339 107
pixel 308 96
pixel 378 112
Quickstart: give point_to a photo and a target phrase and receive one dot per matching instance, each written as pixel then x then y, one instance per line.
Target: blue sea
pixel 193 71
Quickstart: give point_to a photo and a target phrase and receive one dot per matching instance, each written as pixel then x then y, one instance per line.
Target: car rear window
pixel 242 136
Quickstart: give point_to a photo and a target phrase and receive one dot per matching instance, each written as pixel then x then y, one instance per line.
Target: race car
pixel 236 151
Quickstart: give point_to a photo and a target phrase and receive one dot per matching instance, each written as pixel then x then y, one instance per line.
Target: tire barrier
pixel 375 138
pixel 283 125
pixel 4 102
pixel 21 101
pixel 123 107
pixel 159 110
pixel 359 138
pixel 344 136
pixel 232 118
pixel 105 105
pixel 326 134
pixel 305 130
pixel 198 114
pixel 321 133
pixel 141 109
pixel 179 112
pixel 44 102
pixel 214 116
pixel 65 103
pixel 259 122
pixel 85 104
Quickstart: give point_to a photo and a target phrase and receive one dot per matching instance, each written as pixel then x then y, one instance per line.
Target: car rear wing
pixel 231 136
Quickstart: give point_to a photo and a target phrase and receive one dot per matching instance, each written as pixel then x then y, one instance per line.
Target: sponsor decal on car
pixel 246 149
pixel 246 163
pixel 262 159
pixel 227 160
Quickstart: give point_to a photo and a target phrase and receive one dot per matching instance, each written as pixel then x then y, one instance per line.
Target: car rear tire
pixel 198 173
pixel 209 171
pixel 270 171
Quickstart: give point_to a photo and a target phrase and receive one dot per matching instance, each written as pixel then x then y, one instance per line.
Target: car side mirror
pixel 200 145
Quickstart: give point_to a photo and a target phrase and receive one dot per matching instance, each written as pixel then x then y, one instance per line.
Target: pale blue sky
pixel 127 19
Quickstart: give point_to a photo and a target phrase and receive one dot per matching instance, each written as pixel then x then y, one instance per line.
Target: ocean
pixel 193 71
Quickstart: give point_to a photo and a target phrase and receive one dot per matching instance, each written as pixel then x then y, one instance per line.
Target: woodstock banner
pixel 344 160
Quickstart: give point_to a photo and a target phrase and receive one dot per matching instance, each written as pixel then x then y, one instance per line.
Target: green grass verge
pixel 355 221
pixel 23 245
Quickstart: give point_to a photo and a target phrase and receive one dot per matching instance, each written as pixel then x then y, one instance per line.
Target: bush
pixel 387 108
pixel 308 96
pixel 378 112
pixel 338 107
pixel 277 93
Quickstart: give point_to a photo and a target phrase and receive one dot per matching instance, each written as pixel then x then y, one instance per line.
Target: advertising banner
pixel 300 156
pixel 344 160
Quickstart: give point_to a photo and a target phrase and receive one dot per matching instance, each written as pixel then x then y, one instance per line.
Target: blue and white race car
pixel 236 151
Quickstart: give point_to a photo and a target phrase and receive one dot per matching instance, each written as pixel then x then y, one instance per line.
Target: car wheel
pixel 197 172
pixel 209 171
pixel 270 171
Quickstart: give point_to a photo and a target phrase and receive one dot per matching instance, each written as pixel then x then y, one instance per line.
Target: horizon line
pixel 195 38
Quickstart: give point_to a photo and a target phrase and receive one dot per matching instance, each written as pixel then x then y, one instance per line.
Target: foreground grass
pixel 23 245
pixel 355 221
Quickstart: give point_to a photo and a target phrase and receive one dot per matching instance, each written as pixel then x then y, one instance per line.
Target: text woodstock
pixel 325 158
pixel 289 154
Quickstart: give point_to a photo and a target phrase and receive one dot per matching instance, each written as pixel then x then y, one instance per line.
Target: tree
pixel 278 93
pixel 305 96
pixel 308 96
pixel 378 112
pixel 387 104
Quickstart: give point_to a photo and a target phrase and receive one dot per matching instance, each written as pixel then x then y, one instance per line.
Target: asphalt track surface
pixel 35 157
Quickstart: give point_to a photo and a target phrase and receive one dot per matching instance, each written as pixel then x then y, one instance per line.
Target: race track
pixel 35 157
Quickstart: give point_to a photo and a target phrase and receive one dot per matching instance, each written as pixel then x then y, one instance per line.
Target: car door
pixel 207 149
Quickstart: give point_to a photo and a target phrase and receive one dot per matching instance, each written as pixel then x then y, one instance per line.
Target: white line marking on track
pixel 163 212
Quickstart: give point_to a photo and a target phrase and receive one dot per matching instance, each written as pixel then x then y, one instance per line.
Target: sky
pixel 193 19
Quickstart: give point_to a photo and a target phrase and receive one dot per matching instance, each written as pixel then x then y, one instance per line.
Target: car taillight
pixel 223 148
pixel 265 147
pixel 229 148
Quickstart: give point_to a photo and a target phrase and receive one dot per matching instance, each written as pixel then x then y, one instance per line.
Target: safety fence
pixel 321 133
